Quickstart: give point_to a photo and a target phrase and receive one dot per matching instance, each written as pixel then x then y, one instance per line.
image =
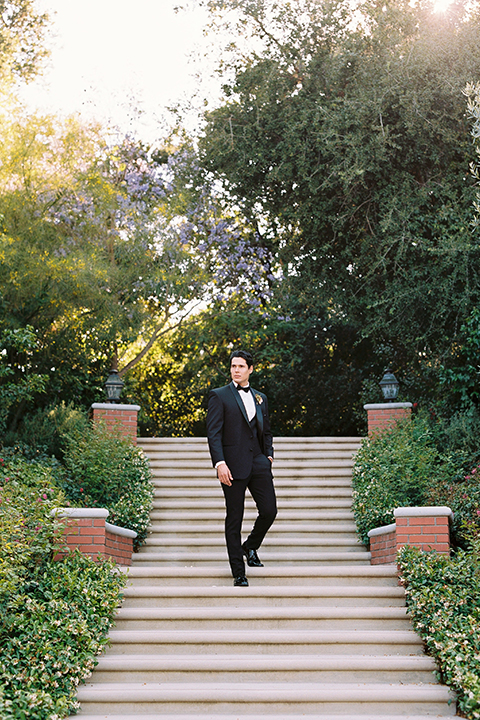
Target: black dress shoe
pixel 252 558
pixel 240 581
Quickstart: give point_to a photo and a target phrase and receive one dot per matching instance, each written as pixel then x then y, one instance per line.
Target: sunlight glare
pixel 441 5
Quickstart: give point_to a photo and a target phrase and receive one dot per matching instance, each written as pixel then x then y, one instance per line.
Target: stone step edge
pixel 256 612
pixel 267 591
pixel 355 571
pixel 279 528
pixel 216 504
pixel 254 663
pixel 263 692
pixel 271 637
pixel 279 438
pixel 249 716
pixel 147 555
pixel 273 543
pixel 219 515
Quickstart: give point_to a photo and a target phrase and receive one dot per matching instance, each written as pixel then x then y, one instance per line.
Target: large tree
pixel 106 245
pixel 343 136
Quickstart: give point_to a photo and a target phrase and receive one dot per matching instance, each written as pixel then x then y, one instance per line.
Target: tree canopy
pixel 324 217
pixel 344 137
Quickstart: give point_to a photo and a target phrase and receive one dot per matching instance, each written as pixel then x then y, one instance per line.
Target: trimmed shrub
pixel 419 461
pixel 394 469
pixel 105 470
pixel 443 600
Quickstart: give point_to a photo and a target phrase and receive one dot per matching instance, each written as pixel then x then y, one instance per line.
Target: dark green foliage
pixel 105 470
pixel 349 146
pixel 425 461
pixel 45 429
pixel 394 469
pixel 459 375
pixel 311 369
pixel 443 600
pixel 54 616
pixel 18 384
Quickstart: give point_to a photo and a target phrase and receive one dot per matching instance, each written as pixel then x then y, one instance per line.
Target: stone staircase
pixel 319 633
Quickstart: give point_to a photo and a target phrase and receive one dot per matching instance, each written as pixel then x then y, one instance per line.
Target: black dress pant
pixel 260 485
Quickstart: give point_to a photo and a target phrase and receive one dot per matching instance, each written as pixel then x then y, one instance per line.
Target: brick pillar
pixel 86 529
pixel 384 415
pixel 119 418
pixel 383 545
pixel 427 528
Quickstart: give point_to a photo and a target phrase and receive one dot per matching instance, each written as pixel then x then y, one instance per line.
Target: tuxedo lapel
pixel 259 413
pixel 239 401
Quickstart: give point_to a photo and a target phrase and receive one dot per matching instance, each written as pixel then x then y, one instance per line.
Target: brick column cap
pixel 387 406
pixel 427 511
pixel 114 406
pixel 80 512
pixel 125 532
pixel 383 530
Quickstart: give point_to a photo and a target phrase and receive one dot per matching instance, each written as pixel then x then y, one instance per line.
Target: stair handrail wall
pixel 427 528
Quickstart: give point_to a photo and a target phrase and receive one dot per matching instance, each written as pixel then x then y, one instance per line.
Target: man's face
pixel 240 371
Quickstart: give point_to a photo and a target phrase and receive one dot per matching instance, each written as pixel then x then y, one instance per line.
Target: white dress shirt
pixel 248 401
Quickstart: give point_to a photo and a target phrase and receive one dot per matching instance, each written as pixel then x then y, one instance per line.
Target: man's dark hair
pixel 242 354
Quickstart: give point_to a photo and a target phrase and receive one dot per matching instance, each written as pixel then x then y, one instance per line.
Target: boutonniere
pixel 258 398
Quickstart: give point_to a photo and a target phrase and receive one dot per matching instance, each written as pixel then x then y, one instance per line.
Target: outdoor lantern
pixel 389 385
pixel 113 386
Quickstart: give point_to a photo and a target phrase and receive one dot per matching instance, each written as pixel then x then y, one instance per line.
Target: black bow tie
pixel 245 389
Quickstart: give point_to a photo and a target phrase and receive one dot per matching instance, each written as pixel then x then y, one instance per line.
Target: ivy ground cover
pixel 443 600
pixel 54 616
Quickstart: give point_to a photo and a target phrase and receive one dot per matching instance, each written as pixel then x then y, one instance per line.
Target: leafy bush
pixel 443 599
pixel 46 428
pixel 423 461
pixel 54 616
pixel 105 470
pixel 28 532
pixel 394 469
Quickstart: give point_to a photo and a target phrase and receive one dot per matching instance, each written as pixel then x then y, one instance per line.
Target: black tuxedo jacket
pixel 230 436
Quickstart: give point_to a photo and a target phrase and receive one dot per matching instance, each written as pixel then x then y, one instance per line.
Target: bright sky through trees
pixel 108 55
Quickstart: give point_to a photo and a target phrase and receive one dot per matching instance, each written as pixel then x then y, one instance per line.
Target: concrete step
pixel 283 503
pixel 236 616
pixel 262 716
pixel 316 470
pixel 296 576
pixel 305 541
pixel 279 529
pixel 279 441
pixel 140 595
pixel 180 517
pixel 269 641
pixel 214 491
pixel 321 698
pixel 213 557
pixel 264 668
pixel 188 455
pixel 281 484
pixel 199 463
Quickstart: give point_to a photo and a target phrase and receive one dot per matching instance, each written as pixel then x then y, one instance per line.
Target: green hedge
pixel 395 469
pixel 54 616
pixel 105 470
pixel 419 461
pixel 443 600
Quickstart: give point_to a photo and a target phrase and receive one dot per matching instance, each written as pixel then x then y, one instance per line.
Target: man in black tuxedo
pixel 240 442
